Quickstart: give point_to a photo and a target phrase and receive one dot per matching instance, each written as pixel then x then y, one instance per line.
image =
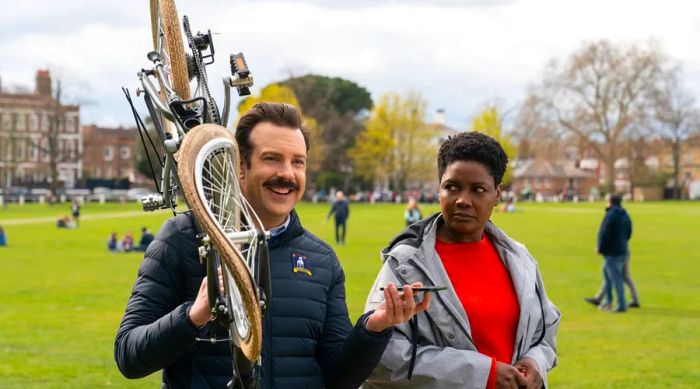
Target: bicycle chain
pixel 201 73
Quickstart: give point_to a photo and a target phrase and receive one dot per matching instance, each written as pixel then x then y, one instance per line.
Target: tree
pixel 489 123
pixel 601 93
pixel 339 107
pixel 397 146
pixel 282 94
pixel 676 117
pixel 536 135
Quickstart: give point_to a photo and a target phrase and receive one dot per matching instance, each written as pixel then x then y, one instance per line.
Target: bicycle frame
pixel 172 118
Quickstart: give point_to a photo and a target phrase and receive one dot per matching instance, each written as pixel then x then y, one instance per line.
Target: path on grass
pixel 52 219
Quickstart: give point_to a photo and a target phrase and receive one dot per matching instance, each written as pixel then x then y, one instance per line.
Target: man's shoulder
pixel 310 242
pixel 177 228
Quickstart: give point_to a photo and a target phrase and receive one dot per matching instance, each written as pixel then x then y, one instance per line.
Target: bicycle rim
pixel 208 167
pixel 167 41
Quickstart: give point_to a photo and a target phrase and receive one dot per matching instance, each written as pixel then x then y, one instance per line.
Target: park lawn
pixel 63 294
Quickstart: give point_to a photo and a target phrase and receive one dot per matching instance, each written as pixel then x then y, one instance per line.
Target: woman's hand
pixel 396 308
pixel 529 368
pixel 508 377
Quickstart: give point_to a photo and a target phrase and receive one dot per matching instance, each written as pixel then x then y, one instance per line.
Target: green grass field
pixel 62 294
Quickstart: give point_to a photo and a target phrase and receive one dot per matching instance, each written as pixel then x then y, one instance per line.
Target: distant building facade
pixel 549 180
pixel 109 154
pixel 34 127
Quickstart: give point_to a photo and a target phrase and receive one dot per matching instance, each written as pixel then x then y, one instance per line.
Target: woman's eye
pixel 479 189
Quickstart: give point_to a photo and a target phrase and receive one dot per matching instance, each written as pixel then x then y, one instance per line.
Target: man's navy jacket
pixel 615 231
pixel 308 340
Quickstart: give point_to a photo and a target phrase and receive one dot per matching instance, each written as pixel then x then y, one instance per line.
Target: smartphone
pixel 423 288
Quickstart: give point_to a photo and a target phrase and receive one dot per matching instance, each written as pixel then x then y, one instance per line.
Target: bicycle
pixel 199 157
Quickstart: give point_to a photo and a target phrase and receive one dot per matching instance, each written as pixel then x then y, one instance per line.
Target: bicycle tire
pixel 167 13
pixel 200 142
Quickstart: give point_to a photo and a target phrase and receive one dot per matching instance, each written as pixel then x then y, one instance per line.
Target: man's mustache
pixel 281 183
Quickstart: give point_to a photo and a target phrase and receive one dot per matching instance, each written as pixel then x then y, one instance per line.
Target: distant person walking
pixel 412 213
pixel 613 244
pixel 341 210
pixel 75 211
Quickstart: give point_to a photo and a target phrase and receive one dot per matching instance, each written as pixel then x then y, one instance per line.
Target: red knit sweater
pixel 483 285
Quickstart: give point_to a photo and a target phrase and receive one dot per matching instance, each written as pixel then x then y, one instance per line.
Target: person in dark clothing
pixel 341 210
pixel 146 239
pixel 75 211
pixel 308 339
pixel 613 244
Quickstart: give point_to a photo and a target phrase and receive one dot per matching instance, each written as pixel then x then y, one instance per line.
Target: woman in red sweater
pixel 494 326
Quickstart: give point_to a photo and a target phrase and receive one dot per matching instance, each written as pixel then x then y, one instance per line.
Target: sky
pixel 459 55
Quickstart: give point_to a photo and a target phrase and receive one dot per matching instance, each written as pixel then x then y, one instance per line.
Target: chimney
pixel 43 83
pixel 439 117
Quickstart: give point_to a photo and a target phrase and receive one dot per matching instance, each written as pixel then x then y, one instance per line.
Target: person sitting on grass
pixel 3 239
pixel 64 222
pixel 113 243
pixel 128 242
pixel 146 239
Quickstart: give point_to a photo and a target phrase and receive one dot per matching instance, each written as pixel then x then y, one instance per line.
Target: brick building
pixel 34 131
pixel 550 180
pixel 109 154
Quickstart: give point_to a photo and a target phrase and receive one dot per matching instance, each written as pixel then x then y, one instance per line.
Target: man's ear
pixel 241 169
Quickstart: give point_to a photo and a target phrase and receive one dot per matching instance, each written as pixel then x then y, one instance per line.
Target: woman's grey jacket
pixel 441 346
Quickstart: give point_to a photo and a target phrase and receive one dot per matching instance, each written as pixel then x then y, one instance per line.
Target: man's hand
pixel 200 313
pixel 529 368
pixel 396 308
pixel 508 377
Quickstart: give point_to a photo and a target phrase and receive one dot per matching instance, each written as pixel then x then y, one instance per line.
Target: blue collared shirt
pixel 281 228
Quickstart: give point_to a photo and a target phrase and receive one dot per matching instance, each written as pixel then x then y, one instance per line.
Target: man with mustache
pixel 308 339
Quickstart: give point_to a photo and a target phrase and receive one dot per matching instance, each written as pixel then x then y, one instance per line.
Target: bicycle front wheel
pixel 167 41
pixel 208 171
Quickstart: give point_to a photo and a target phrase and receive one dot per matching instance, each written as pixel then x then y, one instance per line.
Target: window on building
pixel 33 122
pixel 33 151
pixel 108 172
pixel 45 152
pixel 71 150
pixel 21 123
pixel 20 149
pixel 108 153
pixel 45 122
pixel 6 121
pixel 125 152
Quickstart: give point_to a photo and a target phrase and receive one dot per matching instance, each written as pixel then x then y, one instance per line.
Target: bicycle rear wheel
pixel 208 171
pixel 167 41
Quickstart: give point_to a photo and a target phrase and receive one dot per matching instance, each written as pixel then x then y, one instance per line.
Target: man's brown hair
pixel 279 114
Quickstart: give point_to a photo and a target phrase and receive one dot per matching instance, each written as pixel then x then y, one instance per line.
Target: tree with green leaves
pixel 339 107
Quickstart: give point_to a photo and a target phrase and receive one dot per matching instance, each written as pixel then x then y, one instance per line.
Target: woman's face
pixel 467 197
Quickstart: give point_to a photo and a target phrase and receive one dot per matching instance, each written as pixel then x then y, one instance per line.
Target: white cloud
pixel 457 55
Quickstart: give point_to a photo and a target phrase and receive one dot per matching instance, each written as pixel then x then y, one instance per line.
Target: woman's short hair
pixel 279 114
pixel 476 147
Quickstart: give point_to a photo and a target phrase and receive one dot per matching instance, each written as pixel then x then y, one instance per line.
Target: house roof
pixel 540 168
